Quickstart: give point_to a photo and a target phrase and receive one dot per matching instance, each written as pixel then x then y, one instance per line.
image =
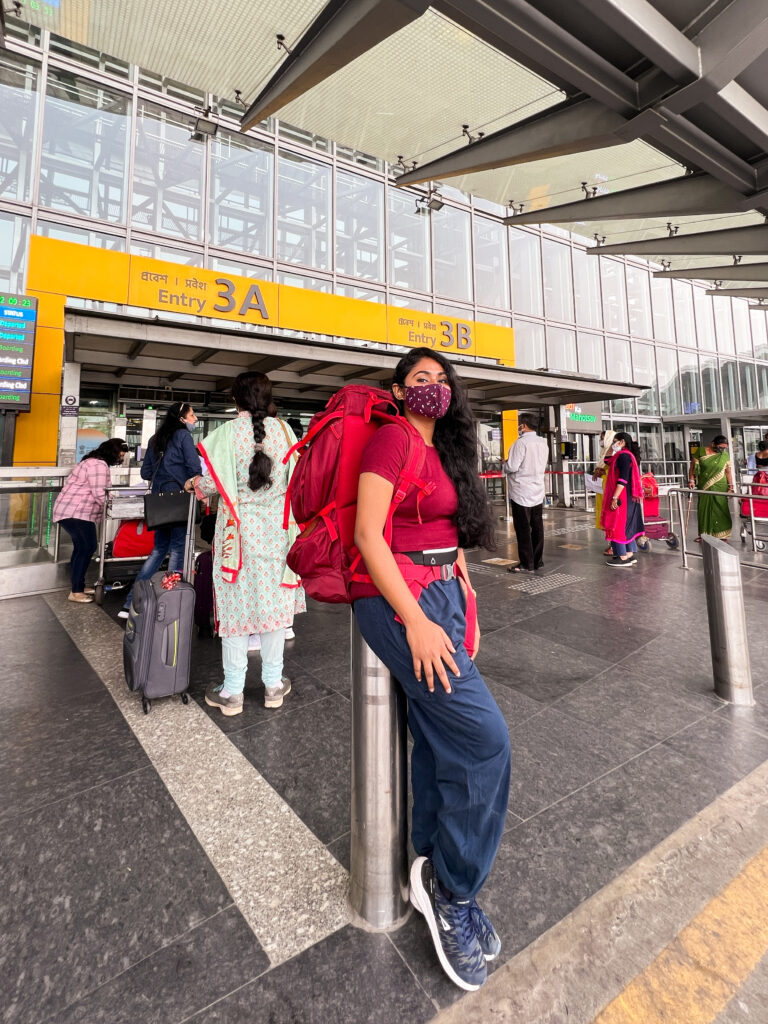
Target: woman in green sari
pixel 710 470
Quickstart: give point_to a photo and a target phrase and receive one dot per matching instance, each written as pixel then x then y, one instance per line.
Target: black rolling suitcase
pixel 158 634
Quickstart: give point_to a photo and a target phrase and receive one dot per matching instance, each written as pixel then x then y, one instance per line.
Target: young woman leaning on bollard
pixel 419 618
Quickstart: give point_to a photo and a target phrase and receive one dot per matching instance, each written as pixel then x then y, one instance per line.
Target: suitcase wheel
pixel 760 545
pixel 98 592
pixel 185 698
pixel 146 705
pixel 672 541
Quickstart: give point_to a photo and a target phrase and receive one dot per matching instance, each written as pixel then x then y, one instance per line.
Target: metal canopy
pixel 749 241
pixel 744 293
pixel 735 272
pixel 105 346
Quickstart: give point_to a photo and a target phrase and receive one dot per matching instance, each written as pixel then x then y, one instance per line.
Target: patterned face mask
pixel 430 400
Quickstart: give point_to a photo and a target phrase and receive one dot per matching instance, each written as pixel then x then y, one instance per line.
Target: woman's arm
pixel 98 480
pixel 203 486
pixel 692 470
pixel 149 465
pixel 192 462
pixel 430 646
pixel 729 475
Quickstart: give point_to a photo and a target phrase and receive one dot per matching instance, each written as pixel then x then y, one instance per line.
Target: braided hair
pixel 252 393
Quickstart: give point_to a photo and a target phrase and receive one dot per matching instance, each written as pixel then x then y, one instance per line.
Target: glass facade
pixel 97 151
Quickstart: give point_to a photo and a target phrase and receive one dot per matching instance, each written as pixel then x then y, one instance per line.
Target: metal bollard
pixel 378 874
pixel 727 622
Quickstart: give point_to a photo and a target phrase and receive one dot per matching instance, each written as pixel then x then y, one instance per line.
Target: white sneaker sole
pixel 277 702
pixel 421 901
pixel 229 712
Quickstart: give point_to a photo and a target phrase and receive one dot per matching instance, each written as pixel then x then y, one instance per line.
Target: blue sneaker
pixel 489 941
pixel 450 925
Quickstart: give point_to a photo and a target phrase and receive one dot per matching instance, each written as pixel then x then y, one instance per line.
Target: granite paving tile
pixel 583 631
pixel 305 757
pixel 536 666
pixel 51 751
pixel 349 978
pixel 727 744
pixel 203 965
pixel 93 885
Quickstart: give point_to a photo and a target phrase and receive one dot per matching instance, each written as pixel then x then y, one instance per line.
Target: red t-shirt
pixel 385 455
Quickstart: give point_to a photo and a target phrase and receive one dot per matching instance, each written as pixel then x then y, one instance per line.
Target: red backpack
pixel 323 490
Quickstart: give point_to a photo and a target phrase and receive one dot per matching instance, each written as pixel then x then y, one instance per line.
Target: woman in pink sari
pixel 622 512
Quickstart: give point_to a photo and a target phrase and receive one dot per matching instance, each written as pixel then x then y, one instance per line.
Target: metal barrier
pixel 378 874
pixel 727 622
pixel 678 492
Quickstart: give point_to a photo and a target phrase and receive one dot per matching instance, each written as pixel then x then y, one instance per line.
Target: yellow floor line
pixel 700 971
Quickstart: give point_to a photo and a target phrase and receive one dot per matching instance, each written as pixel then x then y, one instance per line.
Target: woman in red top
pixel 417 625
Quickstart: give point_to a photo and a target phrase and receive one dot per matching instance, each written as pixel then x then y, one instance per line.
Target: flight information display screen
pixel 18 322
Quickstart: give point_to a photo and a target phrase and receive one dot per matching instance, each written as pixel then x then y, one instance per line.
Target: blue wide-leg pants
pixel 460 765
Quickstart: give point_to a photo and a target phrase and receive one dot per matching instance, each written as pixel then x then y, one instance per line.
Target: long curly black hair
pixel 252 392
pixel 455 439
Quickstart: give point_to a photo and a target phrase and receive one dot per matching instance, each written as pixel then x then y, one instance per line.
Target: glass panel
pixel 741 328
pixel 450 309
pixel 169 86
pixel 368 294
pixel 304 211
pixel 561 349
pixel 682 298
pixel 759 333
pixel 669 381
pixel 304 138
pixel 410 302
pixel 355 156
pixel 491 270
pixel 242 200
pixel 530 353
pixel 85 148
pixel 591 354
pixel 18 105
pixel 525 267
pixel 14 235
pixel 663 322
pixel 705 319
pixel 691 384
pixel 87 56
pixel 493 318
pixel 710 382
pixel 730 382
pixel 449 192
pixel 721 305
pixel 186 257
pixel 168 174
pixel 489 207
pixel 359 226
pixel 639 300
pixel 673 445
pixel 619 362
pixel 68 233
pixel 255 271
pixel 644 365
pixel 649 440
pixel 748 386
pixel 762 385
pixel 614 295
pixel 450 237
pixel 313 284
pixel 586 283
pixel 408 243
pixel 558 286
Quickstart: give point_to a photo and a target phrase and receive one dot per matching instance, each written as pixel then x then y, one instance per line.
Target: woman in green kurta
pixel 710 470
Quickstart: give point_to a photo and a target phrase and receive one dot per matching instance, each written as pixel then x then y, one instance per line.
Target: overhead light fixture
pixel 422 210
pixel 203 125
pixel 434 200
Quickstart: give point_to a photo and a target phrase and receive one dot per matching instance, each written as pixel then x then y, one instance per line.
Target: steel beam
pixel 342 31
pixel 203 355
pixel 137 348
pixel 679 197
pixel 733 41
pixel 516 28
pixel 735 272
pixel 742 293
pixel 570 127
pixel 748 241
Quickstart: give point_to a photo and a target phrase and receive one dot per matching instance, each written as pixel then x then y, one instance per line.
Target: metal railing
pixel 679 492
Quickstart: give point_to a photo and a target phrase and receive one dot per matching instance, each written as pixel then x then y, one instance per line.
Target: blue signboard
pixel 18 320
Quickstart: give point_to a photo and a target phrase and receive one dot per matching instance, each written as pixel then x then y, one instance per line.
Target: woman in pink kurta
pixel 254 590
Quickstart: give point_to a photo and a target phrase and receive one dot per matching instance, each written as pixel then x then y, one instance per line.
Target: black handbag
pixel 165 508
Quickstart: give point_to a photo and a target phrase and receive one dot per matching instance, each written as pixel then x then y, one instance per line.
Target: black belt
pixel 432 557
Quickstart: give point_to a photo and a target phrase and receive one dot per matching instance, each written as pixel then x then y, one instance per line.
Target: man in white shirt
pixel 527 462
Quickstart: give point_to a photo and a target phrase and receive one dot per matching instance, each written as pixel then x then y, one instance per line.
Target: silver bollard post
pixel 378 875
pixel 727 622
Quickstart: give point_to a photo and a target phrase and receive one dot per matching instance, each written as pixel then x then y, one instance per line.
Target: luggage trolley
pixel 122 503
pixel 757 490
pixel 657 527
